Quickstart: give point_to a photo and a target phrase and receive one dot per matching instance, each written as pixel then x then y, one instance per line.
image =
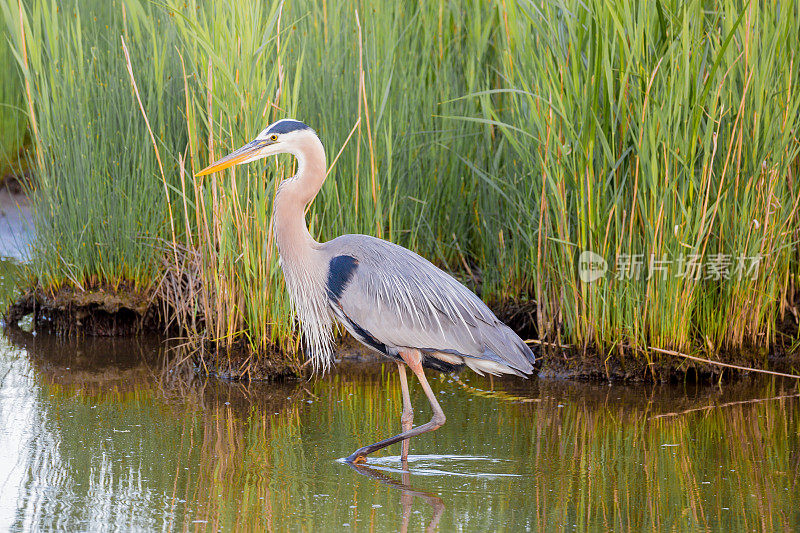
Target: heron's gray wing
pixel 402 300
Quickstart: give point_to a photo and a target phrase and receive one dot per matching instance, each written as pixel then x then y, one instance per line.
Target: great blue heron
pixel 389 298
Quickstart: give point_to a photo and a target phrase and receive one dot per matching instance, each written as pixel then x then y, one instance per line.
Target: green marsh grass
pixel 664 131
pixel 500 140
pixel 13 123
pixel 233 86
pixel 98 205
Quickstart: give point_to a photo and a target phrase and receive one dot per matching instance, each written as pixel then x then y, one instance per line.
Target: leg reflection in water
pixel 407 494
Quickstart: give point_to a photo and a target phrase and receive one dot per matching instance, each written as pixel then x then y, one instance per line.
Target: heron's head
pixel 284 136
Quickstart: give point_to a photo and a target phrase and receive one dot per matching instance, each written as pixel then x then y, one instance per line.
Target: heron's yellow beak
pixel 246 153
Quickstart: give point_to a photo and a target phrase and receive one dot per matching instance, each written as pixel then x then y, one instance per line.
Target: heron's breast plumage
pixel 304 277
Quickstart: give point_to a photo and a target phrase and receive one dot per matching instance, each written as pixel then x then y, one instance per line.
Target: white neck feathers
pixel 295 193
pixel 304 267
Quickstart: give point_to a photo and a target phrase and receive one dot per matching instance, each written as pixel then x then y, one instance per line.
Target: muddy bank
pixel 626 366
pixel 238 363
pixel 98 313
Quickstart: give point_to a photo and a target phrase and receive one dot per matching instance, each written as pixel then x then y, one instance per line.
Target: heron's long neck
pixel 294 241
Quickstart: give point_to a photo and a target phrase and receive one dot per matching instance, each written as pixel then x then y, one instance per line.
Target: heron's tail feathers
pixel 504 346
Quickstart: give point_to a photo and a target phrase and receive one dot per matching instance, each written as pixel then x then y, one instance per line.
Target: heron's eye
pixel 273 137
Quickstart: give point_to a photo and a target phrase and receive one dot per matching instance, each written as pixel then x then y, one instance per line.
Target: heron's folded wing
pixel 403 300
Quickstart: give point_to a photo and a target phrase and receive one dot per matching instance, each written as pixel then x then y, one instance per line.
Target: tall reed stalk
pixel 13 124
pixel 234 84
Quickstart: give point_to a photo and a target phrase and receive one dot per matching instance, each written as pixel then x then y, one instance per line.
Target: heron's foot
pixel 358 457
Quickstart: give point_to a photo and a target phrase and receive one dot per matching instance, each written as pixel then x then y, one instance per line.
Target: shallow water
pixel 110 435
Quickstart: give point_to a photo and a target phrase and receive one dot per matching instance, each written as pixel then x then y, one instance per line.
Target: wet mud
pixel 71 311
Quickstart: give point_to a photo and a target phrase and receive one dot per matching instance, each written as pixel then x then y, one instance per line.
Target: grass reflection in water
pixel 117 437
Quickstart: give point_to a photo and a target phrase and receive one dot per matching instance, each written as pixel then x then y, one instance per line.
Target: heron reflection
pixel 407 494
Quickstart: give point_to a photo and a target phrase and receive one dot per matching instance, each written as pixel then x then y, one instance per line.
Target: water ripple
pixel 444 465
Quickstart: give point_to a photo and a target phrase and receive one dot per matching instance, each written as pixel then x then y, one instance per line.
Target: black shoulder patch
pixel 285 126
pixel 340 272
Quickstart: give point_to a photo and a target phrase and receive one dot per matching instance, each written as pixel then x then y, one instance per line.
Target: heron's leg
pixel 413 359
pixel 407 418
